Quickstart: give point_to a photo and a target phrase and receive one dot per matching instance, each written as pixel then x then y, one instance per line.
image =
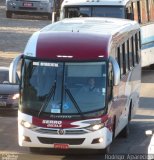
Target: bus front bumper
pixel 99 139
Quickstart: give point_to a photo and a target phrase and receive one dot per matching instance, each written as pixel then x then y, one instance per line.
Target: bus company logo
pixel 51 123
pixel 61 132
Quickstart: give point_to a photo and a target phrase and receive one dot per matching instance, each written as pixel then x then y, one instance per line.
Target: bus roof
pixel 77 38
pixel 95 2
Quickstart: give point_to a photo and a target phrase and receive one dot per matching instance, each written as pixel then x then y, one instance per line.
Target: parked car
pixel 31 7
pixel 9 93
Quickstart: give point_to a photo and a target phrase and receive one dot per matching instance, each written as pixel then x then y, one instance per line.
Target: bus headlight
pixel 95 127
pixel 27 124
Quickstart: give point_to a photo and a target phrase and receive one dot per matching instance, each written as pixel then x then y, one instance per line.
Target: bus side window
pixel 131 62
pixel 121 60
pixel 137 47
pixel 133 51
pixel 124 58
pixel 72 12
pixel 110 82
pixel 128 54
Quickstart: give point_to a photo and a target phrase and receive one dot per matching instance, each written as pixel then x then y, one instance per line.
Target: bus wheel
pixel 8 14
pixel 34 149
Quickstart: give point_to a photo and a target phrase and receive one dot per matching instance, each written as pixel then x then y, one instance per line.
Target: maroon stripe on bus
pixel 79 46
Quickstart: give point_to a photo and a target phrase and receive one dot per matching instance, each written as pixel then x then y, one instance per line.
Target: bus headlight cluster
pixel 27 124
pixel 95 127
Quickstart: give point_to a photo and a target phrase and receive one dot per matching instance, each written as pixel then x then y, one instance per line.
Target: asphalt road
pixel 136 143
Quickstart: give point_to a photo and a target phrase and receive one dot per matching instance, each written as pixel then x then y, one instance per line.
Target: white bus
pixel 80 83
pixel 140 10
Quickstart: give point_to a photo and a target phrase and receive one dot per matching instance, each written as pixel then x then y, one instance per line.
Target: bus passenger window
pixel 72 12
pixel 136 48
pixel 128 54
pixel 85 12
pixel 133 51
pixel 124 58
pixel 119 60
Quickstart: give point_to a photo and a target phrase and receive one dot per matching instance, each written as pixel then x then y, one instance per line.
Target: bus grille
pixel 67 132
pixel 76 141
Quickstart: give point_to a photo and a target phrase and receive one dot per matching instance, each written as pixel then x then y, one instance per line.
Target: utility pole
pixel 56 9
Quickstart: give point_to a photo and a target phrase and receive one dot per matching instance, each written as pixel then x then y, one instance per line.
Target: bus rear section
pixel 29 7
pixel 78 88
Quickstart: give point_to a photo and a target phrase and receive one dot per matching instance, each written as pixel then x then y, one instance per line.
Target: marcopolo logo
pixel 52 123
pixel 61 132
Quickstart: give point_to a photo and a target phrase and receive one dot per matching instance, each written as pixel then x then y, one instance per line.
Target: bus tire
pixel 34 149
pixel 8 14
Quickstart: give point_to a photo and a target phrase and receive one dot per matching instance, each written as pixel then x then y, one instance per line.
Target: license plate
pixel 61 146
pixel 2 103
pixel 28 4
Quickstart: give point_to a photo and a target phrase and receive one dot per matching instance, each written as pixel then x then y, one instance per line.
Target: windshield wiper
pixel 49 96
pixel 74 101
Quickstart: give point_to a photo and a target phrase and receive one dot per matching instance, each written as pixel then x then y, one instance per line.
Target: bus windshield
pixel 97 11
pixel 63 88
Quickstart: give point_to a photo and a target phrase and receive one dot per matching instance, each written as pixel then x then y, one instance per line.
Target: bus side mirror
pixel 13 69
pixel 116 71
